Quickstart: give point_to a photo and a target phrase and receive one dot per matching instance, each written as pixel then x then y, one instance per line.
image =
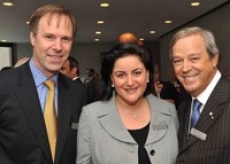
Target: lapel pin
pixel 211 115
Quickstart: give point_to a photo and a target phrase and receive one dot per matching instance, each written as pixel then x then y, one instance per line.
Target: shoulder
pixel 12 77
pixel 161 107
pixel 71 84
pixel 100 108
pixel 224 82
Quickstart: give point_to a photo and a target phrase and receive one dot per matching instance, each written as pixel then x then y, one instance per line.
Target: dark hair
pixel 124 49
pixel 91 70
pixel 73 63
pixel 51 9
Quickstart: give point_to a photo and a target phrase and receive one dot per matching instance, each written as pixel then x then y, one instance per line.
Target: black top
pixel 140 136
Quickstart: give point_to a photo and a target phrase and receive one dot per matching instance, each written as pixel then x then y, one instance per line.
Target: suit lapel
pixel 112 123
pixel 64 108
pixel 211 112
pixel 28 98
pixel 159 124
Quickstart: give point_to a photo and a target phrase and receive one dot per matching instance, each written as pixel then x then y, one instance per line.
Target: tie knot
pixel 50 84
pixel 196 104
pixel 195 112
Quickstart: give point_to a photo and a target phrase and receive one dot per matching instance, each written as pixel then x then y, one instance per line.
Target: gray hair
pixel 208 37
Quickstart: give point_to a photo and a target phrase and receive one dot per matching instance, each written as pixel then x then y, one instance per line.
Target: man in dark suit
pixel 71 69
pixel 93 83
pixel 195 58
pixel 24 136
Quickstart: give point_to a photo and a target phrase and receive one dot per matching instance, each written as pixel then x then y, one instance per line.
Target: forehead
pixel 189 44
pixel 128 62
pixel 57 21
pixel 194 39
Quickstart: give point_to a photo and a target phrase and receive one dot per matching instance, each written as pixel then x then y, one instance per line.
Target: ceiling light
pixel 7 3
pixel 194 4
pixel 98 32
pixel 27 22
pixel 100 22
pixel 142 39
pixel 3 40
pixel 104 4
pixel 168 21
pixel 152 32
pixel 96 40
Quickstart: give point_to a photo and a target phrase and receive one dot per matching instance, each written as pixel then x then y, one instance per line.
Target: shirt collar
pixel 203 97
pixel 38 76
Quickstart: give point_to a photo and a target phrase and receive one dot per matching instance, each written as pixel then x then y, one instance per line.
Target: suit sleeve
pixel 84 154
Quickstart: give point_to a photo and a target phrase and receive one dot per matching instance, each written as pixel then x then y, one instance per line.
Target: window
pixel 7 54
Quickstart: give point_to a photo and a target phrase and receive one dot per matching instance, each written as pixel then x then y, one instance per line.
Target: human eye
pixel 177 61
pixel 67 39
pixel 194 59
pixel 120 75
pixel 49 37
pixel 137 73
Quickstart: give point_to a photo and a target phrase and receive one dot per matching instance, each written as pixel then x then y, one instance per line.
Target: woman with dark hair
pixel 129 124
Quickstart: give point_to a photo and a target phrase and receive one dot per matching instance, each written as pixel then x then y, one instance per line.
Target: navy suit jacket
pixel 214 122
pixel 23 138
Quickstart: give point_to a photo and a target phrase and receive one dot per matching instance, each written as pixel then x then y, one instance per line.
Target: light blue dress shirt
pixel 39 79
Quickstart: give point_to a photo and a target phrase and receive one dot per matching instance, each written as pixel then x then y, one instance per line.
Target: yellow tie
pixel 50 116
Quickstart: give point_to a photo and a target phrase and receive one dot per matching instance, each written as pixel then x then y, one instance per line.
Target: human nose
pixel 57 45
pixel 130 81
pixel 186 66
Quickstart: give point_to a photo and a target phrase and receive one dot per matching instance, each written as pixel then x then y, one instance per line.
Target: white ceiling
pixel 137 16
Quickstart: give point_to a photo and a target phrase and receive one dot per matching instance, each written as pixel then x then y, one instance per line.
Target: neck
pixel 133 107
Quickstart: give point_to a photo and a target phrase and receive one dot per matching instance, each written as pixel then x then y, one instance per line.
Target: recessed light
pixel 96 40
pixel 104 4
pixel 3 40
pixel 194 4
pixel 100 22
pixel 7 3
pixel 152 32
pixel 27 22
pixel 142 39
pixel 98 32
pixel 168 21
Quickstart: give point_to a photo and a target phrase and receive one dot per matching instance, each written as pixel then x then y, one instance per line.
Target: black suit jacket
pixel 88 99
pixel 23 138
pixel 169 92
pixel 214 121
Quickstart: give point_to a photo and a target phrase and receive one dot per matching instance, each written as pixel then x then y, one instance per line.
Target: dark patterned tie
pixel 195 112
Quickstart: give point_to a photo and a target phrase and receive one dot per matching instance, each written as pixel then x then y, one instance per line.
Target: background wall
pixel 218 22
pixel 87 54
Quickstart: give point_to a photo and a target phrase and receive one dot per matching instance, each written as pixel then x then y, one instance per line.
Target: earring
pixel 147 80
pixel 112 85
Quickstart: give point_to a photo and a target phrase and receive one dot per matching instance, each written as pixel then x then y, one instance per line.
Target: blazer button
pixel 152 152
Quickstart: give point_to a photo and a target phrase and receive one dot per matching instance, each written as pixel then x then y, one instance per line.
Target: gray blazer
pixel 103 139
